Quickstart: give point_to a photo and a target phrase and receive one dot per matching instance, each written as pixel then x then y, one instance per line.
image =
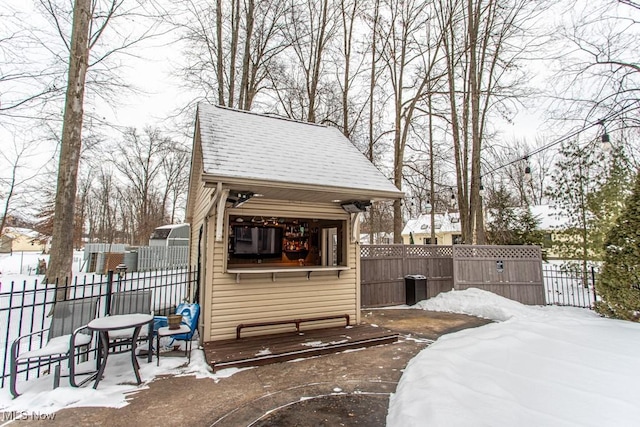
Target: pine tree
pixel 509 225
pixel 619 281
pixel 607 201
pixel 588 190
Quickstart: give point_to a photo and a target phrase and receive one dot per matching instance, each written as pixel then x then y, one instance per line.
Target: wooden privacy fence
pixel 383 267
pixel 514 272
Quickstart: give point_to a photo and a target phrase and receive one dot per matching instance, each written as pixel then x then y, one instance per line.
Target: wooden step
pixel 267 349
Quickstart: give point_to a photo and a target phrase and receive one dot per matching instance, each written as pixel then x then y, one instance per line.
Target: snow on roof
pixel 550 219
pixel 171 226
pixel 14 232
pixel 448 222
pixel 242 144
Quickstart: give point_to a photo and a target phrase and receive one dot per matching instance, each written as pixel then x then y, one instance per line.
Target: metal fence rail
pixel 25 307
pixel 570 286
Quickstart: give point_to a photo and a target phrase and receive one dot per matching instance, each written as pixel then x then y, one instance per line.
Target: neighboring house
pixel 170 235
pixel 274 207
pixel 16 239
pixel 381 238
pixel 5 244
pixel 551 222
pixel 447 229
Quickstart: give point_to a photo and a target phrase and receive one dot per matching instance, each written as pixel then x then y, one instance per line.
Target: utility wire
pixel 570 135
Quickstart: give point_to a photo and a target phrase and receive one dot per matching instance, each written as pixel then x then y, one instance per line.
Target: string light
pixel 604 138
pixel 606 143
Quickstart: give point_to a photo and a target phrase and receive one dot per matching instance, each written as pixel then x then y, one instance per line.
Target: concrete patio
pixel 347 388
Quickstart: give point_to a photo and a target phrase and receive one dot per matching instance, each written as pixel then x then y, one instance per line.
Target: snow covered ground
pixel 38 397
pixel 551 366
pixel 537 366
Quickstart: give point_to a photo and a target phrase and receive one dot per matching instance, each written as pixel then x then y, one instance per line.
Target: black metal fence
pixel 570 285
pixel 25 307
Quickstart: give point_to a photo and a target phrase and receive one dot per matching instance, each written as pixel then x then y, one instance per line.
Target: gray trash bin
pixel 415 286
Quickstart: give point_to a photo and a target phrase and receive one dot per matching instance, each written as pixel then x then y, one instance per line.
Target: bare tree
pixel 16 157
pixel 599 72
pixel 480 44
pixel 140 160
pixel 310 28
pixel 231 47
pixel 24 83
pixel 90 22
pixel 175 171
pixel 62 238
pixel 410 71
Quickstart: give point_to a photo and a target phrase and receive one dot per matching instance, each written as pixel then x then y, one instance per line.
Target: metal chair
pixel 188 327
pixel 66 333
pixel 130 302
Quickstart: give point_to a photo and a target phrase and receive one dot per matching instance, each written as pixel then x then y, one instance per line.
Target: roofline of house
pixel 212 180
pixel 267 115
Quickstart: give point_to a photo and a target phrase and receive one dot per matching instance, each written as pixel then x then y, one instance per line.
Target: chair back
pixel 131 302
pixel 71 314
pixel 190 314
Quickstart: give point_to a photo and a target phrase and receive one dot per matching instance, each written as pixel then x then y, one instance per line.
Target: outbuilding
pixel 170 235
pixel 274 206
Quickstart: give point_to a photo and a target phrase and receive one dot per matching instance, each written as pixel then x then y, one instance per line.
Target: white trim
pixel 274 271
pixel 220 215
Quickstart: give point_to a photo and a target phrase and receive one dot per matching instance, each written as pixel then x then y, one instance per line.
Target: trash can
pixel 415 286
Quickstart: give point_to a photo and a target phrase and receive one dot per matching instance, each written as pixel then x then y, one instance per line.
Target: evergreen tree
pixel 510 225
pixel 619 281
pixel 588 190
pixel 607 202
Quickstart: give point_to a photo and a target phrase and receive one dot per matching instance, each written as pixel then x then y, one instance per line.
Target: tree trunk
pixel 372 86
pixel 220 65
pixel 62 239
pixel 244 102
pixel 235 24
pixel 317 62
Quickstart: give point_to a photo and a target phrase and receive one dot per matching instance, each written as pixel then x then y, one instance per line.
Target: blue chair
pixel 188 327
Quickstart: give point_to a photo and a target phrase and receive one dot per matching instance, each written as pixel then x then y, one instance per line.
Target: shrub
pixel 619 281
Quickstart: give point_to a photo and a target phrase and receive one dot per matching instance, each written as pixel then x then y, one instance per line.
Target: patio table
pixel 107 324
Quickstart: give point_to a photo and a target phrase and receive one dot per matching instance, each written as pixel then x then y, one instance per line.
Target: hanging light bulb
pixel 604 138
pixel 527 171
pixel 453 198
pixel 481 189
pixel 428 207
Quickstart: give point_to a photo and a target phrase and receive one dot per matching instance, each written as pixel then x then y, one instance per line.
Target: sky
pixel 536 365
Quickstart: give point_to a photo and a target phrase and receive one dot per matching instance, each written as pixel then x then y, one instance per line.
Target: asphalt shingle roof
pixel 241 144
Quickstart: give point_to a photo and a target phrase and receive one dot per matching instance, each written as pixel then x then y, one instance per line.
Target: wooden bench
pixel 297 322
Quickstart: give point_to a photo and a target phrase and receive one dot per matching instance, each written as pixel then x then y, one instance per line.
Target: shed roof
pixel 241 145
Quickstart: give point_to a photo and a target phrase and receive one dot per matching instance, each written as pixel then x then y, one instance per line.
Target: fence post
pixel 593 281
pixel 107 309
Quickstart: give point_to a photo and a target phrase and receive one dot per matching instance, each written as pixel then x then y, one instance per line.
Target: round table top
pixel 119 321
